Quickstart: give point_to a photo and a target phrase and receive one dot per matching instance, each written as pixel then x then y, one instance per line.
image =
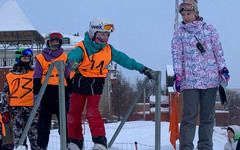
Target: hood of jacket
pixel 51 54
pixel 193 27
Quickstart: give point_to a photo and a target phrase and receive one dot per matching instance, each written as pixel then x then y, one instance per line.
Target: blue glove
pixel 177 82
pixel 72 64
pixel 225 74
pixel 149 73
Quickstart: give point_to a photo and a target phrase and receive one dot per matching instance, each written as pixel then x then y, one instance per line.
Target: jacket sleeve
pixel 217 49
pixel 5 100
pixel 125 61
pixel 76 54
pixel 176 45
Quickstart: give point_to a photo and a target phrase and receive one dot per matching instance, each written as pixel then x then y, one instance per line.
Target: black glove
pixel 149 72
pixel 69 85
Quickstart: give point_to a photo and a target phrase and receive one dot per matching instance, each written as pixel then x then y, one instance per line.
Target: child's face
pixel 188 16
pixel 102 37
pixel 54 42
pixel 230 134
pixel 25 59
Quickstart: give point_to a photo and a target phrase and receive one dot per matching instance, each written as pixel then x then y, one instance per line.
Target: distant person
pixel 233 133
pixel 18 98
pixel 199 67
pixel 89 58
pixel 50 101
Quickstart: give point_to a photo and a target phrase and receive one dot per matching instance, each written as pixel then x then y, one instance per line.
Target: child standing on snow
pixel 198 65
pixel 233 133
pixel 50 101
pixel 18 97
pixel 90 57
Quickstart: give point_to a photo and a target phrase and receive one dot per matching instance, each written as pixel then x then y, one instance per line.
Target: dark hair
pixel 17 67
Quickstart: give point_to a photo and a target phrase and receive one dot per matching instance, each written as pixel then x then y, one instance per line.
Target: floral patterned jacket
pixel 198 70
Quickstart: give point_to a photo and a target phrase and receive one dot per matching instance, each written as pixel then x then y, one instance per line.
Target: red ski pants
pixel 74 116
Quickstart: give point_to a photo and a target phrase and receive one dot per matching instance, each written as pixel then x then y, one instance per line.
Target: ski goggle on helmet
pixel 187 7
pixel 99 25
pixel 21 52
pixel 54 36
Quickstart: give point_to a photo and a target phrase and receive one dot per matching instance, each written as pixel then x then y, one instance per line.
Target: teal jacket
pixel 117 56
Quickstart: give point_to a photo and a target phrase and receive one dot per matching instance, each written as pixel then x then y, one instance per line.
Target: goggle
pixel 186 7
pixel 26 52
pixel 109 27
pixel 56 36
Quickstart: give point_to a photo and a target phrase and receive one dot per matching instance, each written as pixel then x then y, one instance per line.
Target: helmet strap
pixel 94 36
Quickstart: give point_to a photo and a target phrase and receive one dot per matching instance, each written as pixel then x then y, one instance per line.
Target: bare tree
pixel 122 96
pixel 233 106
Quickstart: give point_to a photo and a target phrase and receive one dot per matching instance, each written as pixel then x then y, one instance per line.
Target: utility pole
pixel 176 15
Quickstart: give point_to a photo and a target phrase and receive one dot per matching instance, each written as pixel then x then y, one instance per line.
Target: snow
pixel 13 19
pixel 142 132
pixel 170 71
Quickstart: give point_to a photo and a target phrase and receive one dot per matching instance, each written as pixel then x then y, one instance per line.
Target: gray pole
pixel 176 16
pixel 158 114
pixel 62 106
pixel 144 103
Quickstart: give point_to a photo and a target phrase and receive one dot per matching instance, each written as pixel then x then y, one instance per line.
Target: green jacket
pixel 117 56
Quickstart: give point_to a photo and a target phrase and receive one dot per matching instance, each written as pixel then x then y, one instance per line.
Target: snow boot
pixel 100 143
pixel 75 144
pixel 97 146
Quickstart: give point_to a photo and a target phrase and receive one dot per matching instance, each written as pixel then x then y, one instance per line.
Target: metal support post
pixel 62 106
pixel 36 105
pixel 158 114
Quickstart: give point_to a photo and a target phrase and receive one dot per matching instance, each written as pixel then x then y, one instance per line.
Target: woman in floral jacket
pixel 198 65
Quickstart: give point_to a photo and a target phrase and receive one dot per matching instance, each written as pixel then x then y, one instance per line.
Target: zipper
pixel 92 87
pixel 79 82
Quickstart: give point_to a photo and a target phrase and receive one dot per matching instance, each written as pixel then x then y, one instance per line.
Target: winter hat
pixel 229 128
pixel 185 6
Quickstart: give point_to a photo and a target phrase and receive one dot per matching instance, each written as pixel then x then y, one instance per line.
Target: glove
pixel 34 101
pixel 69 85
pixel 177 82
pixel 72 64
pixel 149 73
pixel 6 117
pixel 225 74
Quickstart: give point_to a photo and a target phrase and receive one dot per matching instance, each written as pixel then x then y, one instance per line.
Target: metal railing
pixel 60 67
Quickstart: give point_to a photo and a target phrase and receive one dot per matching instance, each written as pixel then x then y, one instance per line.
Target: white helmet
pixel 99 25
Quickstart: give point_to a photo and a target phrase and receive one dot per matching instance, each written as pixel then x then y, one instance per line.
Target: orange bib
pixel 53 80
pixel 20 88
pixel 95 65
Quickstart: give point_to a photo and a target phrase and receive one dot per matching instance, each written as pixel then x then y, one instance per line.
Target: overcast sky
pixel 144 29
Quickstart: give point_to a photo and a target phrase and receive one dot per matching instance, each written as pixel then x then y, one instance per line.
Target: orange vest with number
pixel 3 127
pixel 53 80
pixel 20 88
pixel 95 65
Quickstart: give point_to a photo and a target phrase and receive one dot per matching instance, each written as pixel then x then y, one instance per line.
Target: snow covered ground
pixel 142 132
